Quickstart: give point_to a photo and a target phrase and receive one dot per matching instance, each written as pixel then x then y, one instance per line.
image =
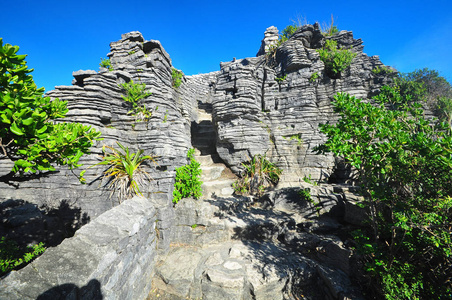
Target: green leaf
pixel 15 129
pixel 28 122
pixel 42 130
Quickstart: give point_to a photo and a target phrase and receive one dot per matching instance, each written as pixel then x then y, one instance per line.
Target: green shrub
pixel 12 257
pixel 294 137
pixel 305 194
pixel 309 180
pixel 259 175
pixel 435 86
pixel 314 77
pixel 335 60
pixel 125 172
pixel 187 182
pixel 29 134
pixel 288 32
pixel 426 85
pixel 106 63
pixel 281 79
pixel 176 77
pixel 135 93
pixel 383 70
pixel 404 167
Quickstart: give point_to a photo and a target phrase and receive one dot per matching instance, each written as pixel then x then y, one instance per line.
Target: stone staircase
pixel 216 176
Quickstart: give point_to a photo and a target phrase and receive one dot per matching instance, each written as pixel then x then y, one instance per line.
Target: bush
pixel 427 86
pixel 444 109
pixel 314 77
pixel 281 79
pixel 106 63
pixel 125 171
pixel 335 60
pixel 176 77
pixel 259 175
pixel 288 32
pixel 29 134
pixel 404 166
pixel 12 257
pixel 383 70
pixel 135 93
pixel 435 86
pixel 187 182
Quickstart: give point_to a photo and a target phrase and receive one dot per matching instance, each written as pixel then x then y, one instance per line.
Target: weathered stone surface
pixel 114 251
pixel 96 99
pixel 271 38
pixel 274 252
pixel 254 114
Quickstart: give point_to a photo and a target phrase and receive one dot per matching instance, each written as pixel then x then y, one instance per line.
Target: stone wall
pixel 110 258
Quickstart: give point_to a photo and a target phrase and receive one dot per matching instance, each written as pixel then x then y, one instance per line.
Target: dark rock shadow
pixel 27 224
pixel 288 241
pixel 14 180
pixel 91 291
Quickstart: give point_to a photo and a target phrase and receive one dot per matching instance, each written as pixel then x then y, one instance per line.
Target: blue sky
pixel 65 36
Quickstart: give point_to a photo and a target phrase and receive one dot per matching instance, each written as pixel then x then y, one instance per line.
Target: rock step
pixel 219 188
pixel 204 160
pixel 204 116
pixel 212 172
pixel 209 159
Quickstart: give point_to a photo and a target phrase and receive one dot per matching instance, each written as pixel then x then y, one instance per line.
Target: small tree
pixel 29 135
pixel 404 166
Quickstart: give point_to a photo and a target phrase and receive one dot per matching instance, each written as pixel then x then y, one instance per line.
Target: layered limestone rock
pixel 96 99
pixel 271 37
pixel 272 104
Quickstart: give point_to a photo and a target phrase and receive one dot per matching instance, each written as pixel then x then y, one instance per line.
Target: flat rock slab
pixel 230 270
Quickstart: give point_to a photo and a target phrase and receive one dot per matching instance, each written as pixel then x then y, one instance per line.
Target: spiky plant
pixel 259 174
pixel 125 172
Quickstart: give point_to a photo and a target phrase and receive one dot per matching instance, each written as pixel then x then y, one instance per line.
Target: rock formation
pixel 279 247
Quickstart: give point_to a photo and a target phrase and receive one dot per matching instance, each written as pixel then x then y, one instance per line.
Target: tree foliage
pixel 404 166
pixel 176 77
pixel 29 135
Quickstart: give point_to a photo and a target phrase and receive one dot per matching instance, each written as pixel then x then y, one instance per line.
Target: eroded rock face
pixel 96 99
pixel 262 105
pixel 274 104
pixel 271 38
